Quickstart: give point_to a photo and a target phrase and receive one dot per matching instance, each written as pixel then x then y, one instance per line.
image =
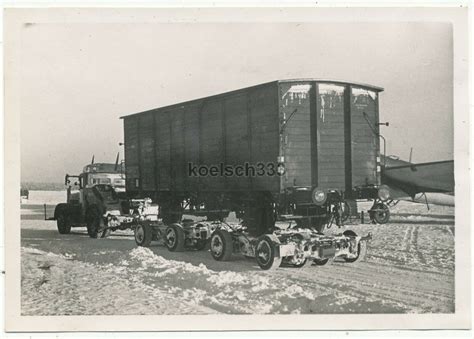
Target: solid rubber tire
pixel 273 261
pixel 178 245
pixel 147 235
pixel 227 243
pixel 361 248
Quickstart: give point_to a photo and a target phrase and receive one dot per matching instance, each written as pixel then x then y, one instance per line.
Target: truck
pixel 94 198
pixel 298 152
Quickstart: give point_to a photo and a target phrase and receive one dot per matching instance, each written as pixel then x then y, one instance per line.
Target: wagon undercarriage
pixel 293 246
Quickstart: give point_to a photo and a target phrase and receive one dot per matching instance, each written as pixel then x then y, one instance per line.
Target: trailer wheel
pixel 361 248
pixel 265 253
pixel 322 262
pixel 174 238
pixel 305 263
pixel 143 235
pixel 380 213
pixel 222 245
pixel 62 221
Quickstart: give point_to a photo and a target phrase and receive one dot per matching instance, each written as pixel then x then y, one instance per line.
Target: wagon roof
pixel 334 81
pixel 342 82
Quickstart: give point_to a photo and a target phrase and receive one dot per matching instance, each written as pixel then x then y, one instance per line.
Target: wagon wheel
pixel 265 254
pixel 175 238
pixel 361 248
pixel 321 262
pixel 304 263
pixel 143 235
pixel 62 220
pixel 221 245
pixel 380 213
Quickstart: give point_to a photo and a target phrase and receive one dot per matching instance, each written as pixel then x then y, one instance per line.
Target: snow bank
pixel 53 285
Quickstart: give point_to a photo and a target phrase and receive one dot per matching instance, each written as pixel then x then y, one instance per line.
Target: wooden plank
pixel 297 147
pixel 325 172
pixel 293 151
pixel 299 138
pixel 298 166
pixel 334 153
pixel 303 130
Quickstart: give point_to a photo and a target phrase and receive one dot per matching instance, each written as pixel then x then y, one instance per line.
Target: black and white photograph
pixel 301 163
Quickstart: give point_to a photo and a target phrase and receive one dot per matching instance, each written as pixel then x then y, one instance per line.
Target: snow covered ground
pixel 409 269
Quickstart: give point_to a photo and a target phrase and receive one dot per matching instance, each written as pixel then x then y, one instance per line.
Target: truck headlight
pixel 319 196
pixel 383 193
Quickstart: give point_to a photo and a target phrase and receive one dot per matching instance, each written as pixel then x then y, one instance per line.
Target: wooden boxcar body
pixel 303 135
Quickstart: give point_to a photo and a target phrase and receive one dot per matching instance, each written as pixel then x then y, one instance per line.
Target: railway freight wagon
pixel 290 149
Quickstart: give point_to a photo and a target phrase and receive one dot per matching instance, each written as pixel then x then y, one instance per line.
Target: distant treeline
pixel 43 186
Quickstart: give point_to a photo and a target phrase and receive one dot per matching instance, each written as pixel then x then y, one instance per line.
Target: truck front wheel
pixel 62 220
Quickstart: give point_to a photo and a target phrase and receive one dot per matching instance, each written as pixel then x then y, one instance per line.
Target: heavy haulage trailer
pixel 314 148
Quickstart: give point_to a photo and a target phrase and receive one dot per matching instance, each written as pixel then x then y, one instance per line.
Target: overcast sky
pixel 78 79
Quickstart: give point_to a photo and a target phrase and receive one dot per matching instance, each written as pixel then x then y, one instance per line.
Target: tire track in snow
pixel 405 244
pixel 375 283
pixel 415 246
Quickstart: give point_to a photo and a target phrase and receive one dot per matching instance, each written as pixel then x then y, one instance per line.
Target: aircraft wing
pixel 416 178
